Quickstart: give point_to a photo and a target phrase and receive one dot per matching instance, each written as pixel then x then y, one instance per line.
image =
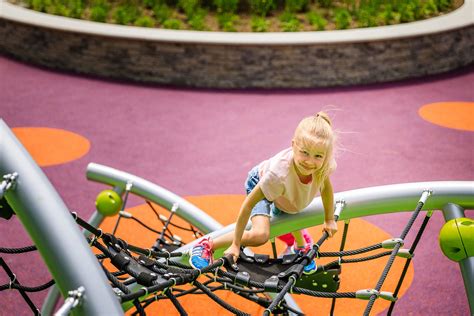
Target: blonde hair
pixel 317 129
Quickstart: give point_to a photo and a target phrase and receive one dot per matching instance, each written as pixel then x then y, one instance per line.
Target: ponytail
pixel 324 116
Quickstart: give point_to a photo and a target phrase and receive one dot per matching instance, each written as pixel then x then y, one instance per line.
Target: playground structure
pixel 78 275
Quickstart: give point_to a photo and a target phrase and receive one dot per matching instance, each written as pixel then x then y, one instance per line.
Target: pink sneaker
pixel 201 254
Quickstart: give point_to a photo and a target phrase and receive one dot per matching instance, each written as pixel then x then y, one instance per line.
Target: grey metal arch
pixel 153 193
pixel 51 227
pixel 393 198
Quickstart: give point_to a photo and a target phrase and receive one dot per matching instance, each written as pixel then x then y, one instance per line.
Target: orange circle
pixel 224 208
pixel 51 146
pixel 456 115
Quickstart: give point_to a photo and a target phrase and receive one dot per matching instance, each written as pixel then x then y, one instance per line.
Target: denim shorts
pixel 264 207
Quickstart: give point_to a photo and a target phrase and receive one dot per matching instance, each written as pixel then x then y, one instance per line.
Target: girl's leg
pixel 299 238
pixel 256 236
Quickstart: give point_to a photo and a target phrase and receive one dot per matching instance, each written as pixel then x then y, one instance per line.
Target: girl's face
pixel 308 157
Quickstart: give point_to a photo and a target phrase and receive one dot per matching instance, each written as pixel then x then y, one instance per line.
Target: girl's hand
pixel 330 227
pixel 234 251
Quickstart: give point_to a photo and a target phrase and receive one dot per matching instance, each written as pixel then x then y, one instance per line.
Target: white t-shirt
pixel 280 183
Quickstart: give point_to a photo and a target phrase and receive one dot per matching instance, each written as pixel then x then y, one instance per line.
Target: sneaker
pixel 311 267
pixel 201 254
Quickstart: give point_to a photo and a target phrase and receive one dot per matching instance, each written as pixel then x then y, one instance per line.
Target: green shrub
pixel 259 24
pixel 197 21
pixel 348 4
pixel 99 11
pixel 262 7
pixel 126 14
pixel 372 6
pixel 385 16
pixel 408 13
pixel 428 8
pixel 40 5
pixel 408 10
pixel 173 24
pixel 227 21
pixel 150 4
pixel 77 8
pixel 70 9
pixel 162 12
pixel 226 6
pixel 366 13
pixel 296 5
pixel 289 22
pixel 189 6
pixel 324 3
pixel 291 26
pixel 316 20
pixel 342 19
pixel 366 18
pixel 444 4
pixel 144 21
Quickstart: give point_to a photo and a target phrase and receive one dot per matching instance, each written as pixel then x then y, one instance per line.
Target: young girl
pixel 287 182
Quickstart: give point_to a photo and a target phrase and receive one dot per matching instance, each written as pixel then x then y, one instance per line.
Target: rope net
pixel 142 277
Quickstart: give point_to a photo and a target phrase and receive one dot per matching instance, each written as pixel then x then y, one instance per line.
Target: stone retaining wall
pixel 280 60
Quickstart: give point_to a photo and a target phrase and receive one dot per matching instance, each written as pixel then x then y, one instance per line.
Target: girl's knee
pixel 260 237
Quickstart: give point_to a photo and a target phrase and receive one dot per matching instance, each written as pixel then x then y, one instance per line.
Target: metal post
pixel 51 227
pixel 52 298
pixel 453 211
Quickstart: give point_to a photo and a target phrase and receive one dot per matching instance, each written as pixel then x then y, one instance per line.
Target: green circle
pixel 108 203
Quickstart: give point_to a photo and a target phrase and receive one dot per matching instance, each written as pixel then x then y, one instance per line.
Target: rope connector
pixel 425 195
pixel 390 243
pixel 73 299
pixel 12 282
pixel 175 207
pixel 93 240
pixel 146 291
pixel 367 294
pixel 339 206
pixel 405 253
pixel 74 215
pixel 9 181
pixel 125 214
pixel 387 296
pixel 170 287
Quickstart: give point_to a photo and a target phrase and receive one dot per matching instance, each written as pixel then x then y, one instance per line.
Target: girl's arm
pixel 253 198
pixel 327 196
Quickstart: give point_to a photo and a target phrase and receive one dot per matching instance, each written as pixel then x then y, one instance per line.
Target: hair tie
pixel 324 118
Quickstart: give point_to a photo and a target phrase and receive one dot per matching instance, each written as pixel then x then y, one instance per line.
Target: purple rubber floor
pixel 203 142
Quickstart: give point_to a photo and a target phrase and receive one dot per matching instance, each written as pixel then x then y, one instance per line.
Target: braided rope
pixel 20 287
pixel 350 252
pixel 392 257
pixel 219 301
pixel 18 250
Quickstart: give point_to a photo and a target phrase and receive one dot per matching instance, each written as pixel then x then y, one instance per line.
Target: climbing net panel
pixel 141 276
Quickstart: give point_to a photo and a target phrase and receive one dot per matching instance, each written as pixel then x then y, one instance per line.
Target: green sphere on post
pixel 456 238
pixel 108 203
